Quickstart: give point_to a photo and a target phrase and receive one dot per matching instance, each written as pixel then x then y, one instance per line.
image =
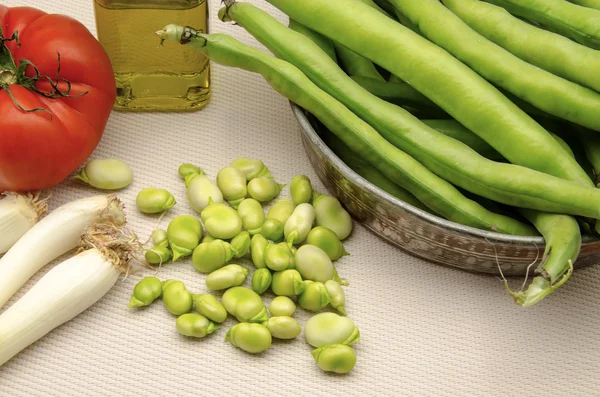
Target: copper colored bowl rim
pixel 457 228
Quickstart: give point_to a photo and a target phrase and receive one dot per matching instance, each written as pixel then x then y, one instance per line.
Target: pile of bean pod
pixel 292 246
pixel 503 137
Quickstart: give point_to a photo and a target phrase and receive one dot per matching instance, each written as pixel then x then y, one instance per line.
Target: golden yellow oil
pixel 150 77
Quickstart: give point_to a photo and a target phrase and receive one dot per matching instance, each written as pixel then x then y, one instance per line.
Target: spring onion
pixel 18 214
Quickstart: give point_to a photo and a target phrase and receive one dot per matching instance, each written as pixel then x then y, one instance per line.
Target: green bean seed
pixel 329 329
pixel 160 237
pixel 278 257
pixel 328 241
pixel 146 291
pixel 281 210
pixel 201 192
pixel 252 215
pixel 336 358
pixel 313 263
pixel 261 280
pixel 176 298
pixel 282 306
pixel 272 230
pixel 251 168
pixel 245 305
pixel 301 189
pixel 257 250
pixel 241 244
pixel 299 224
pixel 158 254
pixel 189 169
pixel 195 325
pixel 226 277
pixel 337 295
pixel 153 201
pixel 210 307
pixel 282 327
pixel 185 233
pixel 252 338
pixel 107 174
pixel 232 183
pixel 330 213
pixel 315 296
pixel 221 221
pixel 208 238
pixel 264 189
pixel 211 256
pixel 287 283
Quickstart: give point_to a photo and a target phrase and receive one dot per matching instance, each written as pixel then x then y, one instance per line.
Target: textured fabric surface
pixel 426 330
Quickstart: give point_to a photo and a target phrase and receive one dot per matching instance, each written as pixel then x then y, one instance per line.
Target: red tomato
pixel 40 149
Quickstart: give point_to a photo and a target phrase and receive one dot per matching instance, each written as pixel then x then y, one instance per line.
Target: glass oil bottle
pixel 150 77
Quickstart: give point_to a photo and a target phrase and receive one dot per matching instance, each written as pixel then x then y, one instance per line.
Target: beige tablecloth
pixel 426 330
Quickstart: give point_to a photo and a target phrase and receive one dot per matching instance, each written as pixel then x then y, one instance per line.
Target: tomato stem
pixel 11 74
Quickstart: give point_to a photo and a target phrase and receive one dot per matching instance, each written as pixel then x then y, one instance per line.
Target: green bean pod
pixel 315 296
pixel 252 338
pixel 251 168
pixel 439 195
pixel 547 50
pixel 208 257
pixel 107 174
pixel 337 296
pixel 221 221
pixel 337 358
pixel 371 173
pixel 313 263
pixel 257 250
pixel 282 327
pixel 272 230
pixel 329 329
pixel 264 189
pixel 278 257
pixel 328 241
pixel 252 215
pixel 330 213
pixel 226 277
pixel 160 237
pixel 240 244
pixel 185 233
pixel 232 183
pixel 355 64
pixel 261 280
pixel 516 186
pixel 578 23
pixel 195 325
pixel 587 3
pixel 323 42
pixel 544 90
pixel 563 243
pixel 281 210
pixel 202 192
pixel 210 307
pixel 287 283
pixel 176 297
pixel 398 93
pixel 245 305
pixel 397 49
pixel 153 201
pixel 282 306
pixel 158 254
pixel 146 291
pixel 299 224
pixel 301 189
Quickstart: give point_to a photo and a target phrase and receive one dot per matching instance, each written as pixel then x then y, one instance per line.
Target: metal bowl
pixel 422 234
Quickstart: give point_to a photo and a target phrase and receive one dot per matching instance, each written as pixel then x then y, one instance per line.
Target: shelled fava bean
pixel 288 269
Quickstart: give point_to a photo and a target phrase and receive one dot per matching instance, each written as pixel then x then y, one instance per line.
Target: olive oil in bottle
pixel 150 77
